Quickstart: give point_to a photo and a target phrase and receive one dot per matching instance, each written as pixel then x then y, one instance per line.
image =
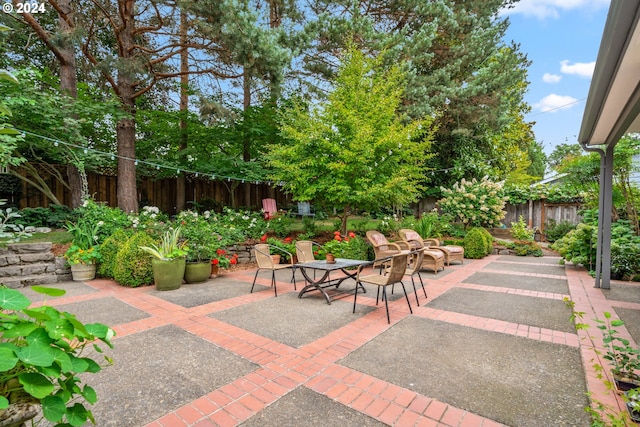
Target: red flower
pixel 215 261
pixel 220 251
pixel 233 261
pixel 235 255
pixel 338 238
pixel 287 239
pixel 352 234
pixel 263 238
pixel 336 233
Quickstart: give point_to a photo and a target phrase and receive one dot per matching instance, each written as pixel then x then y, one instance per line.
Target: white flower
pixel 100 223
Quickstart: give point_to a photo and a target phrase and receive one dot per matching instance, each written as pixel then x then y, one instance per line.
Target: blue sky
pixel 561 38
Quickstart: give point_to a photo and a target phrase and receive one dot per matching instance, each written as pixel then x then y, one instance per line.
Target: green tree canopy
pixel 355 149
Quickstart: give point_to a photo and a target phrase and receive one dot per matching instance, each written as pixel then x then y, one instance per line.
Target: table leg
pixel 314 284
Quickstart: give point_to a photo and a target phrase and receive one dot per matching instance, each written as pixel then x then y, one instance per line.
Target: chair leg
pixel 273 282
pixel 386 303
pixel 355 295
pixel 294 279
pixel 422 283
pixel 254 280
pixel 415 291
pixel 407 297
pixel 378 295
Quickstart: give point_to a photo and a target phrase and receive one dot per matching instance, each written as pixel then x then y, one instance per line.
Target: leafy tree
pixel 354 150
pixel 563 153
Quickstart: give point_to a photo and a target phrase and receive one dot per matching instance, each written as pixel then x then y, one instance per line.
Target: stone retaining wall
pixel 26 264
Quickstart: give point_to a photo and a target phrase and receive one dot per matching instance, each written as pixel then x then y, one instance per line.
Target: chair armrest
pixel 402 245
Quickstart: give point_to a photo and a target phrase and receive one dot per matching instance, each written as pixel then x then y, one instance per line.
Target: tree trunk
pixel 69 86
pixel 126 128
pixel 184 109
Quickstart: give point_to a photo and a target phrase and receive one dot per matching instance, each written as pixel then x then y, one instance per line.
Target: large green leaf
pixel 4 403
pixel 35 355
pixel 8 359
pixel 20 330
pixel 10 299
pixel 36 385
pixel 5 75
pixel 77 415
pixel 60 328
pixel 52 292
pixel 90 394
pixel 53 408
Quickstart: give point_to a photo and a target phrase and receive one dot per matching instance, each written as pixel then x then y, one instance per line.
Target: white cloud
pixel 582 69
pixel 553 102
pixel 543 9
pixel 551 78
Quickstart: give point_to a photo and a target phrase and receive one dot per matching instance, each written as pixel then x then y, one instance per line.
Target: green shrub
pixel 133 265
pixel 520 230
pixel 554 231
pixel 109 250
pixel 522 248
pixel 475 244
pixel 55 216
pixel 488 240
pixel 309 226
pixel 107 219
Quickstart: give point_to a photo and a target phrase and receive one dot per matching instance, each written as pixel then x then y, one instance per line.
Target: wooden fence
pixel 162 193
pixel 202 192
pixel 536 213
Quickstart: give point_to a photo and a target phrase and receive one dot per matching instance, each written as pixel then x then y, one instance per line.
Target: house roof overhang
pixel 613 104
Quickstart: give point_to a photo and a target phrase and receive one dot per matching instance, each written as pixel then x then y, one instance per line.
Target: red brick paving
pixel 313 365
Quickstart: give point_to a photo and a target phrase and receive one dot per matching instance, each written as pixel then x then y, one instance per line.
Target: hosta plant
pixel 43 352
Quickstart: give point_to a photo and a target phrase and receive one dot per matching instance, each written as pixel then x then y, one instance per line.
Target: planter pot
pixel 197 272
pixel 331 259
pixel 215 270
pixel 276 259
pixel 624 384
pixel 168 274
pixel 83 272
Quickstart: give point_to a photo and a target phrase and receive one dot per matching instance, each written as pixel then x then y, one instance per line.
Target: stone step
pixel 16 282
pixel 28 269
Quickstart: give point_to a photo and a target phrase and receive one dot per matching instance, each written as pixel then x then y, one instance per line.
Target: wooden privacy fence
pixel 535 213
pixel 162 193
pixel 216 194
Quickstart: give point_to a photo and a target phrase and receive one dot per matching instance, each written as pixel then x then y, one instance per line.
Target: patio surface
pixel 493 344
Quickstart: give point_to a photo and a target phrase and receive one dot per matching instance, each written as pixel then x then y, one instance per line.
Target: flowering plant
pixel 223 260
pixel 474 203
pixel 287 244
pixel 77 255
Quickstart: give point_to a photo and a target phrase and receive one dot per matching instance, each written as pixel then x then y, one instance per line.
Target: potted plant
pixel 222 260
pixel 203 242
pixel 632 401
pixel 624 359
pixel 42 358
pixel 333 248
pixel 286 248
pixel 84 252
pixel 169 260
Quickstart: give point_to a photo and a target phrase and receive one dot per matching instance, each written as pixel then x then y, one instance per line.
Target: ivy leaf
pixel 36 385
pixel 10 299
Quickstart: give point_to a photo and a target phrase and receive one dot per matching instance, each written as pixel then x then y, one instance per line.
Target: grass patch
pixel 55 237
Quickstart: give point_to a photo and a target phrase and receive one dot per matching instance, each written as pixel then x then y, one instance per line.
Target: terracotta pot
pixel 331 259
pixel 276 259
pixel 215 270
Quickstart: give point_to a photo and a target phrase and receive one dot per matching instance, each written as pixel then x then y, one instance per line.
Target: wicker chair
pixel 394 274
pixel 305 252
pixel 451 252
pixel 433 259
pixel 416 259
pixel 383 249
pixel 265 262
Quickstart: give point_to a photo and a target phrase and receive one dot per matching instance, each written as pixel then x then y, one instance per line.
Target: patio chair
pixel 304 209
pixel 269 208
pixel 451 252
pixel 265 262
pixel 305 252
pixel 394 274
pixel 383 249
pixel 414 266
pixel 434 259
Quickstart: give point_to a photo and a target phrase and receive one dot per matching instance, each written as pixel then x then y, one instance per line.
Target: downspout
pixel 603 248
